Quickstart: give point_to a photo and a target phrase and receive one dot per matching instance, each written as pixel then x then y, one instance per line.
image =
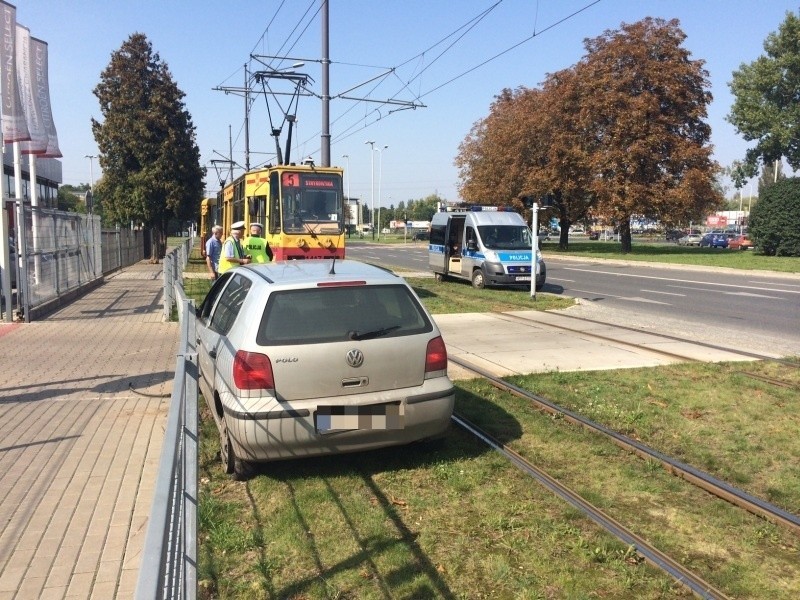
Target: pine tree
pixel 150 161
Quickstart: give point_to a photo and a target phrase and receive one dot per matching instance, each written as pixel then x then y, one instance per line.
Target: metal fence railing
pixel 56 255
pixel 122 248
pixel 169 560
pixel 175 262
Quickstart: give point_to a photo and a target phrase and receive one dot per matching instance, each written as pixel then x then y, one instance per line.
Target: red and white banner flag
pixel 15 126
pixel 27 79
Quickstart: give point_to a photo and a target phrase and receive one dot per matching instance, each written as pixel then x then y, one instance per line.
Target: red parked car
pixel 740 242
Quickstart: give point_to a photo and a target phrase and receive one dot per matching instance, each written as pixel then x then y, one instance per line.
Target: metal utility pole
pixel 325 149
pixel 372 184
pixel 246 121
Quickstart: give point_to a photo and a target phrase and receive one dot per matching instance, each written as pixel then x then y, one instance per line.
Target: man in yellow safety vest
pixel 232 252
pixel 256 246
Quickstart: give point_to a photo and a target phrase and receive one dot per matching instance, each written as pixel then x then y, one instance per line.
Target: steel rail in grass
pixel 650 553
pixel 701 479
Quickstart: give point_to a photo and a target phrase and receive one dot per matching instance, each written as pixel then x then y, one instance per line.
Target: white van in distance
pixel 489 246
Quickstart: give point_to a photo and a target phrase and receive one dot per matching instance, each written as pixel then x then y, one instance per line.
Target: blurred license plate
pixel 523 277
pixel 348 418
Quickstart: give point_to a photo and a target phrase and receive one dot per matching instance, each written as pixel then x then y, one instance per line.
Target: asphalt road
pixel 751 309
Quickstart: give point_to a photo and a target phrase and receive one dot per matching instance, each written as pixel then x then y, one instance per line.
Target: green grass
pixel 454 519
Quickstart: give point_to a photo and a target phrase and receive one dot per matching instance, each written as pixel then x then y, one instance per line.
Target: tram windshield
pixel 311 203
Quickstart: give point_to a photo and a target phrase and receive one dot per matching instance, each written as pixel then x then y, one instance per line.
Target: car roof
pixel 298 272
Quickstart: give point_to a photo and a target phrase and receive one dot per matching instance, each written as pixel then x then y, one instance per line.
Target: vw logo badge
pixel 355 358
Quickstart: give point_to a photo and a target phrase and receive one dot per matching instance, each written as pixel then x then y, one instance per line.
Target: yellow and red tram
pixel 300 206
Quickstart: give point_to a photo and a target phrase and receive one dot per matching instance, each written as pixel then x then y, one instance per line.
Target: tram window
pixel 275 204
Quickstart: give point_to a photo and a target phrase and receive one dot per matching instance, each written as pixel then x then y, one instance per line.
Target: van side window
pixel 437 234
pixel 471 237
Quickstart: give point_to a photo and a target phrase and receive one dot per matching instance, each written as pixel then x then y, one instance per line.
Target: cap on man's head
pixel 238 225
pixel 259 225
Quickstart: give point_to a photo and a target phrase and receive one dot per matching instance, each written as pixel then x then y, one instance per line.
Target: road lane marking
pixel 708 283
pixel 665 293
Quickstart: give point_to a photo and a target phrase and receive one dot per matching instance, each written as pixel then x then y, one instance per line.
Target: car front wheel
pixel 478 281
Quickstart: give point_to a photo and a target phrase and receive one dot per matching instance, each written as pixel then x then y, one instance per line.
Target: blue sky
pixel 453 57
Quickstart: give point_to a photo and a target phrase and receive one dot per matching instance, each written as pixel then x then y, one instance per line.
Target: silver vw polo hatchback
pixel 304 358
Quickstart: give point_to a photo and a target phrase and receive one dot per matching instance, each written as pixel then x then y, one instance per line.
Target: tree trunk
pixel 563 237
pixel 625 234
pixel 158 244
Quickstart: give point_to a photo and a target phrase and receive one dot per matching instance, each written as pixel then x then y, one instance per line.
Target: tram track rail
pixel 661 352
pixel 647 551
pixel 697 477
pixel 664 336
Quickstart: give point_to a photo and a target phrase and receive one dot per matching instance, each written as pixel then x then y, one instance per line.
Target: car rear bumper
pixel 265 429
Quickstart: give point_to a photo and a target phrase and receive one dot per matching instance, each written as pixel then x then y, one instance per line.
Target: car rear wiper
pixel 354 335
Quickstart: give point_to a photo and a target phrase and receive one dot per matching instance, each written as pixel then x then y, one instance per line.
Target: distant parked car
pixel 594 235
pixel 311 357
pixel 420 236
pixel 690 239
pixel 715 240
pixel 673 235
pixel 740 242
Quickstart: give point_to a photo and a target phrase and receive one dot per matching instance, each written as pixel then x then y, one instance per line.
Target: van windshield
pixel 505 237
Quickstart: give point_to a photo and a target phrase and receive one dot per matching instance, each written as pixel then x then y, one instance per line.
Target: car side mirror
pixel 472 245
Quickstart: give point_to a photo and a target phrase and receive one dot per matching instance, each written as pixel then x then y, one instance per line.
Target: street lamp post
pixel 534 245
pixel 91 158
pixel 90 207
pixel 372 186
pixel 380 182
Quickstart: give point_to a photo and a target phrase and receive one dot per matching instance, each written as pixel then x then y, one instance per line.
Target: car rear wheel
pixel 238 469
pixel 478 281
pixel 226 452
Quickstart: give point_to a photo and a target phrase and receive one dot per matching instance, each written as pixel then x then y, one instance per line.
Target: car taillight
pixel 252 371
pixel 436 356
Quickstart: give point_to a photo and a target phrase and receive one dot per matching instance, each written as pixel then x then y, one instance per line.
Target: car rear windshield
pixel 335 314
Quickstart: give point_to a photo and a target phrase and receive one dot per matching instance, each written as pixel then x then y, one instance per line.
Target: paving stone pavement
pixel 84 395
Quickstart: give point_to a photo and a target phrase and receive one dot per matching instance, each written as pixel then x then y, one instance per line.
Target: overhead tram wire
pixel 405 85
pixel 509 49
pixel 469 25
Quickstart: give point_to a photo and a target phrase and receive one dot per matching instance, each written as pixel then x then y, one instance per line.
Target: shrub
pixel 774 224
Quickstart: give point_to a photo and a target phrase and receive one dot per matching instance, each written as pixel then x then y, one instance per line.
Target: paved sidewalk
pixel 84 396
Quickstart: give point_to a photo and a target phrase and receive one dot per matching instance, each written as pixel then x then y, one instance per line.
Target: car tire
pixel 440 277
pixel 226 453
pixel 478 281
pixel 242 470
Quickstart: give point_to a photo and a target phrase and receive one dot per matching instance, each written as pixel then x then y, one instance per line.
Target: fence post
pixel 167 287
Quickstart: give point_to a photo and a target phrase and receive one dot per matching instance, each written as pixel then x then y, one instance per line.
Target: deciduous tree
pixel 151 163
pixel 561 149
pixel 766 108
pixel 644 105
pixel 494 158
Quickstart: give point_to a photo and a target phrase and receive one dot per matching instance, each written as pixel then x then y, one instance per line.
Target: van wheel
pixel 477 279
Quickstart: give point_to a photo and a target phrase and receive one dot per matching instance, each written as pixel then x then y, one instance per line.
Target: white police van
pixel 485 245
